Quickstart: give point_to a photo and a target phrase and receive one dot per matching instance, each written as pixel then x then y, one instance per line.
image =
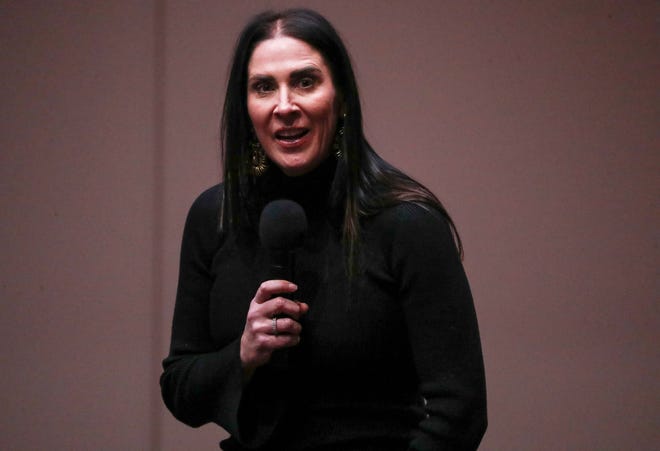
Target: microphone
pixel 282 228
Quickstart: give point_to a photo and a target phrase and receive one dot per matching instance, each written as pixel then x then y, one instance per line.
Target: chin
pixel 295 171
pixel 296 167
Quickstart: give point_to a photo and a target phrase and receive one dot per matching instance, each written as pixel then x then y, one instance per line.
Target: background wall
pixel 535 122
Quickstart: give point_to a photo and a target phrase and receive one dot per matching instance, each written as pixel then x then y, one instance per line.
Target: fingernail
pixel 293 286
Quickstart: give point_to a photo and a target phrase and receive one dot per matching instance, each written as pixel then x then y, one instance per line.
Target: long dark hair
pixel 363 185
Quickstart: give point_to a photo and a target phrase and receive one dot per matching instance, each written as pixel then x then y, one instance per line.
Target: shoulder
pixel 210 198
pixel 206 204
pixel 408 217
pixel 203 215
pixel 410 227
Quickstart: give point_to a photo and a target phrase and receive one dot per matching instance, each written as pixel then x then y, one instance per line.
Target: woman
pixel 376 345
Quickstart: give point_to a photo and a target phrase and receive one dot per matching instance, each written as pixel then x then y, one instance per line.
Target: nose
pixel 284 105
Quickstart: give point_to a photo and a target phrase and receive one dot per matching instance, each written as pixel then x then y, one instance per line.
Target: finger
pixel 270 288
pixel 273 334
pixel 304 308
pixel 285 326
pixel 280 306
pixel 292 340
pixel 283 341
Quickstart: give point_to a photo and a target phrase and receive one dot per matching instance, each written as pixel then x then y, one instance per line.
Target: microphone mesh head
pixel 282 225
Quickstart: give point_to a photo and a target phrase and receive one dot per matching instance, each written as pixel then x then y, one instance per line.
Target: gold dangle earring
pixel 258 162
pixel 338 142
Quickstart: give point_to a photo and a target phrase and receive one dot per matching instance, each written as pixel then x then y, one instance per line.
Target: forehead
pixel 283 54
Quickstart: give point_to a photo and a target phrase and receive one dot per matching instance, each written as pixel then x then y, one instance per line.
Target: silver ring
pixel 274 325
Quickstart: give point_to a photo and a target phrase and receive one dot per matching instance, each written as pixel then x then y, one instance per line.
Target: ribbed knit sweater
pixel 391 362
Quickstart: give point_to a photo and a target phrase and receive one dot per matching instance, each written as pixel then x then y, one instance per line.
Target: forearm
pixel 205 387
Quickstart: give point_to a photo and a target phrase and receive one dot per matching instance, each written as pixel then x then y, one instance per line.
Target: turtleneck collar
pixel 310 190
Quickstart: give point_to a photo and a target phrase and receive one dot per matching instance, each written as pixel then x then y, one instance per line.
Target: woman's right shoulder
pixel 205 209
pixel 210 198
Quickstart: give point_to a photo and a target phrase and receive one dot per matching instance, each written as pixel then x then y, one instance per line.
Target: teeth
pixel 290 134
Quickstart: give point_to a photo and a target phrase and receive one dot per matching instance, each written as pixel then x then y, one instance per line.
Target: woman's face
pixel 292 103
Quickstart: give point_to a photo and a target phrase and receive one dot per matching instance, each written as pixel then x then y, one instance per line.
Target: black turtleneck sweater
pixel 392 363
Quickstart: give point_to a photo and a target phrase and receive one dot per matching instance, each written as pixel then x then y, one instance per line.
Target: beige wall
pixel 535 122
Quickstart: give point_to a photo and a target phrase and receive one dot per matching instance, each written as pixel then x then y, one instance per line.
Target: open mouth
pixel 291 135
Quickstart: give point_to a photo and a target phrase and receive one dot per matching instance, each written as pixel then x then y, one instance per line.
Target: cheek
pixel 329 118
pixel 257 115
pixel 322 107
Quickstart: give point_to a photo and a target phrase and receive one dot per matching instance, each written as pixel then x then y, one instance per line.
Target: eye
pixel 306 82
pixel 262 87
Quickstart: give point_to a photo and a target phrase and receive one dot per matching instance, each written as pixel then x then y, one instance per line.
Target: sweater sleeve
pixel 442 328
pixel 201 383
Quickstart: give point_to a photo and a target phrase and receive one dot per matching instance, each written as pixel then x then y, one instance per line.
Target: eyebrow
pixel 308 70
pixel 259 77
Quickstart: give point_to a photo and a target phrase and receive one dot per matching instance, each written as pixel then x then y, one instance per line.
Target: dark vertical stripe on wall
pixel 159 25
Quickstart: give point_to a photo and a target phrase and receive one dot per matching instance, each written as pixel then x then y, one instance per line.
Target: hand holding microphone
pixel 273 319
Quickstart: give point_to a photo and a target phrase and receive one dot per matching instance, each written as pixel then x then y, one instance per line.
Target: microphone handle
pixel 283 264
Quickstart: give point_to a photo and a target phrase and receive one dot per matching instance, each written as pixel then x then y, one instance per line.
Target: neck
pixel 310 190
